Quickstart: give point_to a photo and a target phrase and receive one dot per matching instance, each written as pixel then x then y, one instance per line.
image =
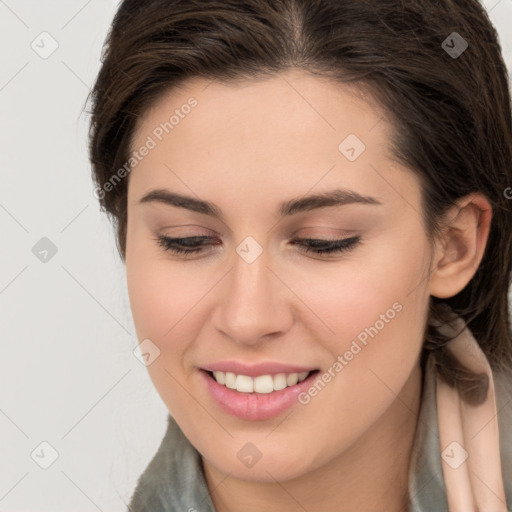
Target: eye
pixel 194 244
pixel 326 246
pixel 188 245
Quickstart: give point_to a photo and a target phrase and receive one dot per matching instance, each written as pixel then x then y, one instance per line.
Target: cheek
pixel 381 288
pixel 162 295
pixel 166 300
pixel 150 298
pixel 375 307
pixel 378 328
pixel 162 304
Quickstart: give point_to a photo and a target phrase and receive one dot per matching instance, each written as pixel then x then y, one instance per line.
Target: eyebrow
pixel 337 197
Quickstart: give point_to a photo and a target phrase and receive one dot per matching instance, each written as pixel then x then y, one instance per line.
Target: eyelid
pixel 326 232
pixel 321 247
pixel 321 231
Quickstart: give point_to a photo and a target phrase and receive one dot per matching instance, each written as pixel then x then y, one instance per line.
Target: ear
pixel 461 246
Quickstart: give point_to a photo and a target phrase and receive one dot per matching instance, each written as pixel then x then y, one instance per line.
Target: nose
pixel 254 304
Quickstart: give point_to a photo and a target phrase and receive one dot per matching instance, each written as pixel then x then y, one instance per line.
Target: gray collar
pixel 174 478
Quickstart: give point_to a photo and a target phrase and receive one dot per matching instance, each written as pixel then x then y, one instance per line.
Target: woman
pixel 312 200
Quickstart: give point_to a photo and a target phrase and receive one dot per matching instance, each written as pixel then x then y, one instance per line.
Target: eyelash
pixel 307 245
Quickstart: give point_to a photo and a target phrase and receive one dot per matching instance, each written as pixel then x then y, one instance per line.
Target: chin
pixel 281 463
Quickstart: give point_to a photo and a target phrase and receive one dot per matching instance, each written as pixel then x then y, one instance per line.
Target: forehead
pixel 282 135
pixel 292 103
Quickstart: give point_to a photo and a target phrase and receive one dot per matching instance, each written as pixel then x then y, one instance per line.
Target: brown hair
pixel 451 113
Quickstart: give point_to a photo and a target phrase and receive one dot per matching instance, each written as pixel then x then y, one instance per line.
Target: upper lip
pixel 253 370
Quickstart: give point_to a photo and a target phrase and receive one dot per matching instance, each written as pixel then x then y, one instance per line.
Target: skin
pixel 247 147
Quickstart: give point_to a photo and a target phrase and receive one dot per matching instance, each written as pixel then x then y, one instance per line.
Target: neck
pixel 372 475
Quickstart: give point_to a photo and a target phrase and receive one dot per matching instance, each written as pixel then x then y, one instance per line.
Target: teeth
pixel 244 384
pixel 292 379
pixel 260 384
pixel 229 380
pixel 280 381
pixel 220 377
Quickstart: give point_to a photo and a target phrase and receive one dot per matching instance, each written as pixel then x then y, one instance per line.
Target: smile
pixel 257 398
pixel 261 384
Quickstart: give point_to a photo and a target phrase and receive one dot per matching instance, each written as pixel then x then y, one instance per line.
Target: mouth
pixel 258 398
pixel 261 384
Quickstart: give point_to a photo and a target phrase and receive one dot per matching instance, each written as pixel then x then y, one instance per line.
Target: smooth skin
pixel 247 147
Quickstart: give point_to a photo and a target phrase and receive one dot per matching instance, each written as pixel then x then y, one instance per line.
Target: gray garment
pixel 174 479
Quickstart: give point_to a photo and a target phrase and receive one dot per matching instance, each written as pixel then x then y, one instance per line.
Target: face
pixel 255 292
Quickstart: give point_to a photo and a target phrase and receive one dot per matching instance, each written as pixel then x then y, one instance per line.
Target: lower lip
pixel 256 406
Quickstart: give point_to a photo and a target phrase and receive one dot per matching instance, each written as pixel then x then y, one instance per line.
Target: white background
pixel 68 375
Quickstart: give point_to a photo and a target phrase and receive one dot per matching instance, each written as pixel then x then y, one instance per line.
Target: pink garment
pixel 468 434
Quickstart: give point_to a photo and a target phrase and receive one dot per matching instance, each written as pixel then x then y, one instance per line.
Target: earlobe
pixel 460 250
